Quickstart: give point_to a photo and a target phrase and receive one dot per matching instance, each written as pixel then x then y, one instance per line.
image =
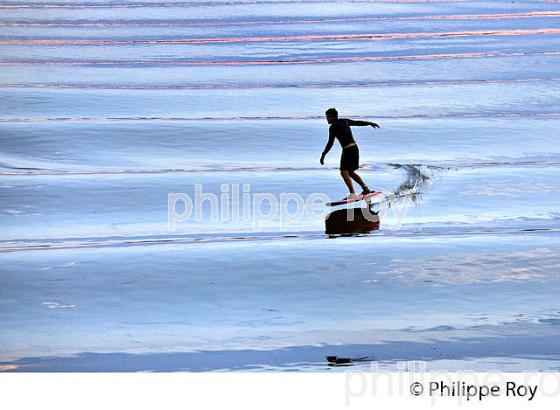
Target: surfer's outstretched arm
pixel 327 148
pixel 362 123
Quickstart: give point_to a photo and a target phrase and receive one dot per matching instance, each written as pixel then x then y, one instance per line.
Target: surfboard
pixel 357 199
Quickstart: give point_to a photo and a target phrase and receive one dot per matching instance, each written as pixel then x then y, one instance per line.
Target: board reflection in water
pixel 351 221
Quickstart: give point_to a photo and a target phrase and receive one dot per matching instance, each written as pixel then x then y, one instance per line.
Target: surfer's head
pixel 332 115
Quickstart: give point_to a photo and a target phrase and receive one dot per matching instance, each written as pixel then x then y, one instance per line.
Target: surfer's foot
pixel 350 196
pixel 366 191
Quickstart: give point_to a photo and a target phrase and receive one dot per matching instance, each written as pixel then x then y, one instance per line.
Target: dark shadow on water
pixel 311 357
pixel 351 221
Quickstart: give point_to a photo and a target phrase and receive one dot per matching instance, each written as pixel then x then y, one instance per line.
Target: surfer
pixel 350 158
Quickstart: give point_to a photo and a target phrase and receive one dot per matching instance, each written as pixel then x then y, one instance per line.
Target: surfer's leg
pixel 357 178
pixel 347 180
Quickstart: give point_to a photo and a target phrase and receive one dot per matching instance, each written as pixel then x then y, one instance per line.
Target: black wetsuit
pixel 350 158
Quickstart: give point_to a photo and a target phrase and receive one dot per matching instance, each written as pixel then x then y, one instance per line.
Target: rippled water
pixel 109 106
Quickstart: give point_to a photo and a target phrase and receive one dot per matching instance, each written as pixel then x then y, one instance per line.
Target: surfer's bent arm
pixel 362 123
pixel 327 147
pixel 329 144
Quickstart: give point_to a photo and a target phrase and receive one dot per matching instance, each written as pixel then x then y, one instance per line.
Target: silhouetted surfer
pixel 350 158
